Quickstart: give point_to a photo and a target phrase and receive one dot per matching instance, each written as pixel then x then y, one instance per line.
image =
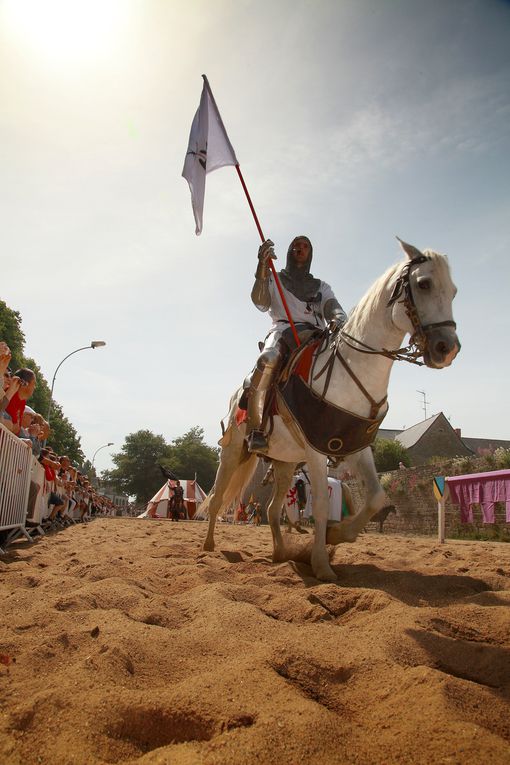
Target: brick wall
pixel 412 494
pixel 411 491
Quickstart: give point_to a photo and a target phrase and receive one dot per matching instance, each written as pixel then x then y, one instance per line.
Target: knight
pixel 312 306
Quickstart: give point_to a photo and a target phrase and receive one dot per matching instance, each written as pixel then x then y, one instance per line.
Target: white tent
pixel 159 505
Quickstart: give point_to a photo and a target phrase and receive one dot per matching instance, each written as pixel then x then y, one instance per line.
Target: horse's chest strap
pixel 327 428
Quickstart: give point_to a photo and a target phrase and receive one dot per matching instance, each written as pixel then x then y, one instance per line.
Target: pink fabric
pixel 480 488
pixel 462 494
pixel 488 513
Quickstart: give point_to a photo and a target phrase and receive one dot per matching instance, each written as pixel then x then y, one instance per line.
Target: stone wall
pixel 411 491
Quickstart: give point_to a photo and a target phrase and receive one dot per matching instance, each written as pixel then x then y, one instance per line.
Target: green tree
pixel 388 454
pixel 63 437
pixel 136 471
pixel 12 334
pixel 189 455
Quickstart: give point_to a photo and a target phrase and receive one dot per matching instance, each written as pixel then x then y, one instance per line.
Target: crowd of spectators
pixel 59 493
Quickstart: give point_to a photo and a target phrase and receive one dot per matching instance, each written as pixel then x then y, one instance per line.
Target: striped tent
pixel 159 505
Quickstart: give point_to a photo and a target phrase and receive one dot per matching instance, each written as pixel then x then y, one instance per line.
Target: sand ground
pixel 122 642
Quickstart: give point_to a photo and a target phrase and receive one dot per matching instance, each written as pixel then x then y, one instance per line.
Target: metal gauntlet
pixel 260 292
pixel 334 314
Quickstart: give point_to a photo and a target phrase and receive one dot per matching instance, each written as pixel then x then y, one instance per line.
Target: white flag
pixel 209 148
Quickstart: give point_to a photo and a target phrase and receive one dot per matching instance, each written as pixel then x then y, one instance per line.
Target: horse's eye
pixel 424 284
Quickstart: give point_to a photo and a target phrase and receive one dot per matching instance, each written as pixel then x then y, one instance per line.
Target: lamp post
pixel 98 450
pixel 94 344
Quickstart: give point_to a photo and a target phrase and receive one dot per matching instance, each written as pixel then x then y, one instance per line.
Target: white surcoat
pixel 301 311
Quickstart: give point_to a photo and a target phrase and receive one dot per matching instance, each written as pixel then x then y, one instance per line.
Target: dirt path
pixel 122 642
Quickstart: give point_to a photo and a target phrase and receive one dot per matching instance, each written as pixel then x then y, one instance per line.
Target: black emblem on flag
pixel 201 154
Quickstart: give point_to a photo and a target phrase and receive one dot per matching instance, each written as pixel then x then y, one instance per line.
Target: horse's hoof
pixel 326 575
pixel 208 547
pixel 279 555
pixel 340 532
pixel 301 530
pixel 321 568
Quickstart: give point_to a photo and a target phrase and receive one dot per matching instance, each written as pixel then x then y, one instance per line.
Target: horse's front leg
pixel 317 465
pixel 363 466
pixel 283 472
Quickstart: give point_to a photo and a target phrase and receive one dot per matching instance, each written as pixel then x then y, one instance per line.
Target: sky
pixel 353 121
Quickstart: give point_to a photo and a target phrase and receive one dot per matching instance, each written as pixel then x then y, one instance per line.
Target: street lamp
pixel 98 450
pixel 94 344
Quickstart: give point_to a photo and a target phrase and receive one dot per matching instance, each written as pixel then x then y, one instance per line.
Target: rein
pixel 403 287
pixel 418 341
pixel 411 353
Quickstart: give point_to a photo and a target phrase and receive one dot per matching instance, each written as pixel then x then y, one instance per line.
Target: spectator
pixel 64 487
pixel 51 465
pixel 26 421
pixel 45 431
pixel 35 431
pixel 10 385
pixel 17 404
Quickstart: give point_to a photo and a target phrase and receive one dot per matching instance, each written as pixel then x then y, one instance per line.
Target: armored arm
pixel 334 314
pixel 260 294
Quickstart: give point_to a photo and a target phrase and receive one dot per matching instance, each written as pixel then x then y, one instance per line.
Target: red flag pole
pixel 271 266
pixel 243 184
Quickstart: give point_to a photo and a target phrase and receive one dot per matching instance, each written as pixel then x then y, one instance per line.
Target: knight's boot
pixel 260 385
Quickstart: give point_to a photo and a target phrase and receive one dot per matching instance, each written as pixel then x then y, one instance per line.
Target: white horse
pixel 415 297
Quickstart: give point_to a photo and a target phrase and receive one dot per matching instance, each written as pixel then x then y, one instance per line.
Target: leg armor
pixel 268 364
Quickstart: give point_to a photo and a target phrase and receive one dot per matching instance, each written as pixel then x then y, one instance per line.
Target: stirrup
pixel 257 442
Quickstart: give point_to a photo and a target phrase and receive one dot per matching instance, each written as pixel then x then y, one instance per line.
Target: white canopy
pixel 158 506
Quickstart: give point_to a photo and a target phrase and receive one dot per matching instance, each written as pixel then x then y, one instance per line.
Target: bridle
pixel 411 353
pixel 418 340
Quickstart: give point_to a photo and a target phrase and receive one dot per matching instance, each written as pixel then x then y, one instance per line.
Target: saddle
pixel 294 355
pixel 329 429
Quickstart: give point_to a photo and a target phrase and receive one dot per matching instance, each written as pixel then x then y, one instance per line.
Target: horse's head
pixel 422 305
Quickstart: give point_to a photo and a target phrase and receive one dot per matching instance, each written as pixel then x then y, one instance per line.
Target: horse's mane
pixel 363 311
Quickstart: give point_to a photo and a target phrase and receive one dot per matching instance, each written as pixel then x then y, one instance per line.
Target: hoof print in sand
pixel 322 684
pixel 144 728
pixel 341 603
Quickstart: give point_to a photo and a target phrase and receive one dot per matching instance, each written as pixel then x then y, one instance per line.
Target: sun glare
pixel 65 30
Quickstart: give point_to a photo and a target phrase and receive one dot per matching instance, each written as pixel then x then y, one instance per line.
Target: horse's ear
pixel 410 251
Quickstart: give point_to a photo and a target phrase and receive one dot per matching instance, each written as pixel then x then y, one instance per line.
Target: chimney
pixel 458 432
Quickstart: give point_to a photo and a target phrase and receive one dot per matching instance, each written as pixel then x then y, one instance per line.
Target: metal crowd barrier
pixel 15 469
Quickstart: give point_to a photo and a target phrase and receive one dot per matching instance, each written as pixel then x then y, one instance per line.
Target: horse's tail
pixel 239 480
pixel 235 487
pixel 236 467
pixel 234 491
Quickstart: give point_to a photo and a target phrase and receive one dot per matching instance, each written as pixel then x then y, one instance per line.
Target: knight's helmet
pixel 290 265
pixel 299 281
